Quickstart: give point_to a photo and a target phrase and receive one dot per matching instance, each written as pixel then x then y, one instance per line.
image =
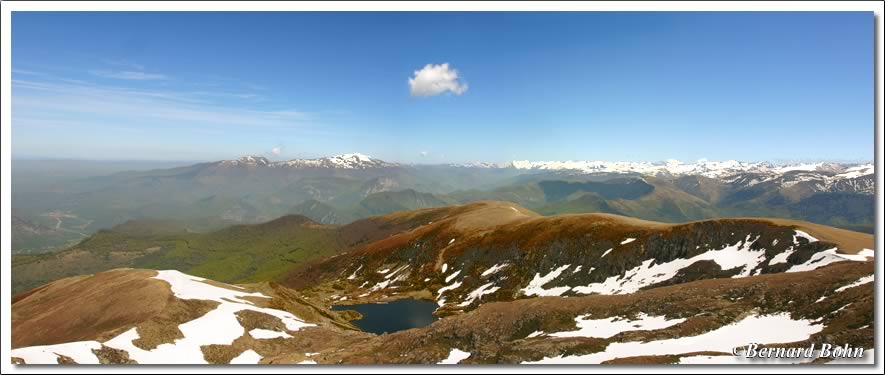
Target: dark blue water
pixel 393 316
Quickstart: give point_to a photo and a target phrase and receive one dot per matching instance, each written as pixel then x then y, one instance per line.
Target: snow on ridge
pixel 863 280
pixel 494 269
pixel 442 301
pixel 185 286
pixel 609 327
pixel 219 326
pixel 452 276
pixel 342 161
pixel 781 257
pixel 487 288
pixel 536 286
pixel 260 333
pixel 624 242
pixel 761 329
pixel 801 234
pixel 826 257
pixel 647 273
pixel 713 169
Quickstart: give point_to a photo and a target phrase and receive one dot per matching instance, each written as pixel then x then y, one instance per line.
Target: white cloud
pixel 435 79
pixel 276 151
pixel 423 153
pixel 128 75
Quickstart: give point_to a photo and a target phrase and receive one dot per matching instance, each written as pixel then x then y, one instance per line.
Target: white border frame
pixel 5 143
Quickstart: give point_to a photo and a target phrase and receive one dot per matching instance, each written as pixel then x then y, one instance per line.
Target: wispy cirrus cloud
pixel 128 75
pixel 124 63
pixel 27 72
pixel 62 98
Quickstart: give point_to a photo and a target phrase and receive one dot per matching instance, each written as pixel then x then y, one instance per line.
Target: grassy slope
pixel 243 253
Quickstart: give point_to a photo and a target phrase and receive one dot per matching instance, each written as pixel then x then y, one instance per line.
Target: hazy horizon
pixel 444 87
pixel 275 158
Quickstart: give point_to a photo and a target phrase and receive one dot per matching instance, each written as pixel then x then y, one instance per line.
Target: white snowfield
pixel 608 327
pixel 343 161
pixel 260 333
pixel 455 356
pixel 452 276
pixel 536 286
pixel 801 234
pixel 439 293
pixel 219 326
pixel 863 280
pixel 781 257
pixel 761 329
pixel 624 242
pixel 487 288
pixel 249 357
pixel 826 257
pixel 494 269
pixel 79 351
pixel 738 255
pixel 867 359
pixel 713 169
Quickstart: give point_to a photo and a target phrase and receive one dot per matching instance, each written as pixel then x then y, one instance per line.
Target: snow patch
pixel 830 256
pixel 536 286
pixel 249 357
pixel 624 242
pixel 79 351
pixel 353 275
pixel 494 269
pixel 219 326
pixel 863 280
pixel 765 329
pixel 781 257
pixel 608 327
pixel 738 255
pixel 259 333
pixel 606 253
pixel 801 234
pixel 452 276
pixel 488 288
pixel 455 356
pixel 442 301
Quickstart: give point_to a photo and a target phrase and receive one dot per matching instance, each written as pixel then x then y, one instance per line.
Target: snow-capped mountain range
pixel 344 161
pixel 712 169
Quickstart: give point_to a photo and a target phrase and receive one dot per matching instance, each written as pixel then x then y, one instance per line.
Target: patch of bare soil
pixel 84 308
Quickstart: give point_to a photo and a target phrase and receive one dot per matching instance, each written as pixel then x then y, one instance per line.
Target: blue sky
pixel 537 86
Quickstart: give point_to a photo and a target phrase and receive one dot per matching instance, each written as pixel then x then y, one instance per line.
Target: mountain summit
pixel 343 161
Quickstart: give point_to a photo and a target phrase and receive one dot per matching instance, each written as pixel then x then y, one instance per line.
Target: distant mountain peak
pixel 248 160
pixel 713 169
pixel 342 161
